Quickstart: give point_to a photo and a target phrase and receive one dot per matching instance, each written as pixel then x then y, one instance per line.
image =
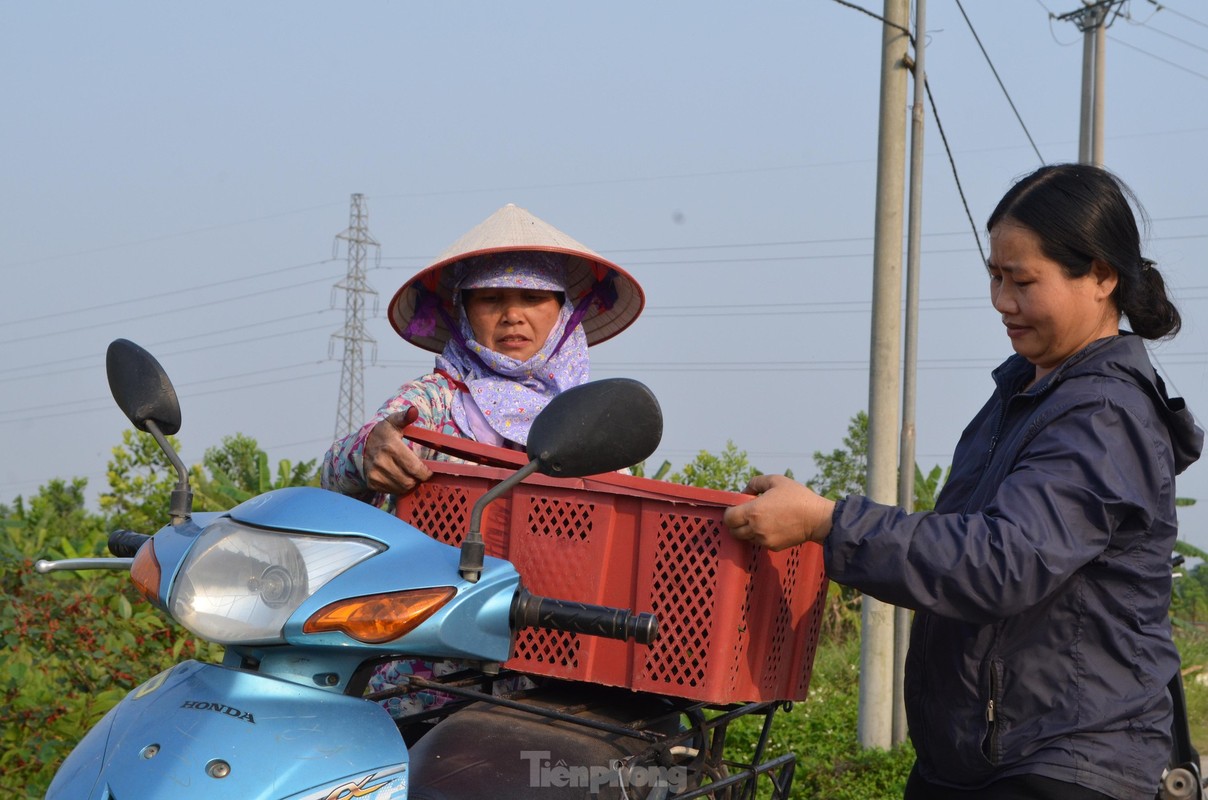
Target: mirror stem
pixel 472 547
pixel 181 504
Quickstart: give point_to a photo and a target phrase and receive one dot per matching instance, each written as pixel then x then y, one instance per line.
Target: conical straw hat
pixel 513 228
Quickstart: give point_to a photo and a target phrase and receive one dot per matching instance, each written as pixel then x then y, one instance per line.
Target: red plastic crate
pixel 737 622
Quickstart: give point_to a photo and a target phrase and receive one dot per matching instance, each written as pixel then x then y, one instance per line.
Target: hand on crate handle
pixel 388 462
pixel 466 449
pixel 784 513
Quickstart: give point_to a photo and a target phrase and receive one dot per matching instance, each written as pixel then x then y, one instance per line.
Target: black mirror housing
pixel 141 387
pixel 598 427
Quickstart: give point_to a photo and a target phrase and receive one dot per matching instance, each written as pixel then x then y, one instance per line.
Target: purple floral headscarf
pixel 505 395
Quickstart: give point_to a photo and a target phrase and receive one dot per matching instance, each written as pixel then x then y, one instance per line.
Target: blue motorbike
pixel 310 591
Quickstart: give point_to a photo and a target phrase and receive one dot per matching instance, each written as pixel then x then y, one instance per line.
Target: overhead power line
pixel 614 251
pixel 1149 27
pixel 1001 85
pixel 801 257
pixel 241 342
pixel 955 174
pixel 1168 9
pixel 163 312
pixel 879 18
pixel 936 115
pixel 173 293
pixel 160 238
pixel 1159 58
pixel 98 403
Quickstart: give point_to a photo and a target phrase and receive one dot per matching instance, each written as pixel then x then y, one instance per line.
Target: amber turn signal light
pixel 378 618
pixel 145 572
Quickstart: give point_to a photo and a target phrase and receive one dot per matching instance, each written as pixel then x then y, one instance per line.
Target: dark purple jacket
pixel 1041 643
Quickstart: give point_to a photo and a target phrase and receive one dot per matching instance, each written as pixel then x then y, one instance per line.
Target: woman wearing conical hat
pixel 510 310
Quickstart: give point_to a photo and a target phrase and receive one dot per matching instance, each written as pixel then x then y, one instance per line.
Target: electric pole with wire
pixel 874 724
pixel 350 408
pixel 1093 20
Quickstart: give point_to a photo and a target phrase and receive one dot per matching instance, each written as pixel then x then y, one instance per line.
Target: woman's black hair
pixel 1081 214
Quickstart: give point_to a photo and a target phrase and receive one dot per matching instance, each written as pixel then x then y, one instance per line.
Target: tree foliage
pixel 141 480
pixel 927 487
pixel 729 470
pixel 56 512
pixel 843 471
pixel 659 474
pixel 238 470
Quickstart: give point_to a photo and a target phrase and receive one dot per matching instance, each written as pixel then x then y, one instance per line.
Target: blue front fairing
pixel 305 509
pixel 281 741
pixel 473 625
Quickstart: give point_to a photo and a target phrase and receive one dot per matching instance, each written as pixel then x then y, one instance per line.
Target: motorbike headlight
pixel 239 585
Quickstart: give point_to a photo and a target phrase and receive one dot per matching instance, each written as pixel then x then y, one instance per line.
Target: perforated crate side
pixel 698 627
pixel 792 585
pixel 744 639
pixel 778 658
pixel 559 541
pixel 543 652
pixel 813 575
pixel 440 508
pixel 761 668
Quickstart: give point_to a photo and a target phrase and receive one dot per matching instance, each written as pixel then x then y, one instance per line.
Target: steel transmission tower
pixel 350 413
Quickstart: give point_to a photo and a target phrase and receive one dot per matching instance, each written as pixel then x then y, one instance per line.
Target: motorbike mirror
pixel 602 426
pixel 145 395
pixel 141 388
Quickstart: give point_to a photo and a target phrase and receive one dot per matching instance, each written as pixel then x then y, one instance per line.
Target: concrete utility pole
pixel 875 721
pixel 1092 20
pixel 914 233
pixel 350 413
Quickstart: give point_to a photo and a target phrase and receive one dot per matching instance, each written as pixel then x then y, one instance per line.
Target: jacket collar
pixel 1123 357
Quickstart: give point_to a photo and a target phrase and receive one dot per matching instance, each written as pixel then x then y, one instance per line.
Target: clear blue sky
pixel 176 174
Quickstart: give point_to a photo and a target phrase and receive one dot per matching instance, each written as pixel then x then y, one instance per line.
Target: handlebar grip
pixel 530 610
pixel 124 544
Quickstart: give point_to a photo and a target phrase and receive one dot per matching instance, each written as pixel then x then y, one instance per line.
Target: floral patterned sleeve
pixel 432 395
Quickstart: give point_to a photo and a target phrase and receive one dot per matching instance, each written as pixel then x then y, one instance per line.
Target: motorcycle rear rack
pixel 730 778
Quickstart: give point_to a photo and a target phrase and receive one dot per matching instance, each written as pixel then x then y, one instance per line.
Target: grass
pixel 822 732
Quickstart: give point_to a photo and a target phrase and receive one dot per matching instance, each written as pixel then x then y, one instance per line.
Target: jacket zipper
pixel 1002 420
pixel 992 718
pixel 1002 417
pixel 1008 399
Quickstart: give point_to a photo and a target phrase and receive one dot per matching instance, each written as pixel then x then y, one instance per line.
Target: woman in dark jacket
pixel 1041 647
